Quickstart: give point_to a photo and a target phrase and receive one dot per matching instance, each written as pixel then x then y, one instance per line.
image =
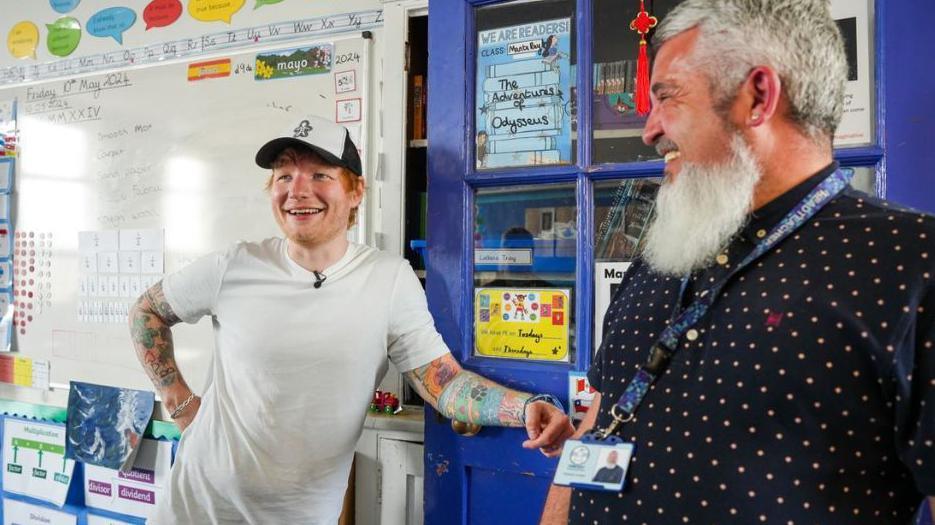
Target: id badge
pixel 594 465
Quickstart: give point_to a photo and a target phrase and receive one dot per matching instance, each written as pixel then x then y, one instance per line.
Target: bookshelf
pixel 415 181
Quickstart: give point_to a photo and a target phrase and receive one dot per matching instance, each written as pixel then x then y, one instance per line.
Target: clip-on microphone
pixel 319 278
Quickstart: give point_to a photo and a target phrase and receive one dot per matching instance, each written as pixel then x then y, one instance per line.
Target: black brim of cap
pixel 267 154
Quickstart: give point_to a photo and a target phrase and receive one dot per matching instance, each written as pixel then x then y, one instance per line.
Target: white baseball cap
pixel 332 142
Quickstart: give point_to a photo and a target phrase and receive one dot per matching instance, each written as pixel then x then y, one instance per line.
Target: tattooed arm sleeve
pixel 466 396
pixel 150 321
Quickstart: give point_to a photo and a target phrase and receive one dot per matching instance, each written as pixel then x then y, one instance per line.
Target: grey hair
pixel 797 38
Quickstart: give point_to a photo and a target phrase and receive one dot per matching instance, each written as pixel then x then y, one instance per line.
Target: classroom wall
pixel 252 14
pixel 40 12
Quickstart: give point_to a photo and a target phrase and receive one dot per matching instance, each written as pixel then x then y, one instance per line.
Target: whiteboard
pixel 149 154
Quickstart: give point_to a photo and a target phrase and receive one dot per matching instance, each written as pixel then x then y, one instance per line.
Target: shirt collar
pixel 763 219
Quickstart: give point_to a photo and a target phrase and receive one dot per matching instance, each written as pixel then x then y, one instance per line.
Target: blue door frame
pixel 488 478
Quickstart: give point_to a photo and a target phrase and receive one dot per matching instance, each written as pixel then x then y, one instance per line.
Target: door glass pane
pixel 622 210
pixel 855 20
pixel 865 180
pixel 524 88
pixel 525 240
pixel 621 213
pixel 614 48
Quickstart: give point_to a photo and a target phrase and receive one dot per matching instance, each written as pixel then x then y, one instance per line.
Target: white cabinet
pixel 401 478
pixel 389 470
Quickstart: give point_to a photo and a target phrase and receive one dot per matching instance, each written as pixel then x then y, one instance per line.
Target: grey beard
pixel 699 212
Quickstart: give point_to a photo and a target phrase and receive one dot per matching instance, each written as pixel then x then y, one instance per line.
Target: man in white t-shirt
pixel 304 327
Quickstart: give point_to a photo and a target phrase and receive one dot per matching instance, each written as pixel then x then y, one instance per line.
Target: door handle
pixel 465 429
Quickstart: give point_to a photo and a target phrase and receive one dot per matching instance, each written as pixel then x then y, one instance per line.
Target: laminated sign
pixel 525 324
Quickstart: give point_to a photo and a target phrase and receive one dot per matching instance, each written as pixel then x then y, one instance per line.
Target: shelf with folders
pixel 614 105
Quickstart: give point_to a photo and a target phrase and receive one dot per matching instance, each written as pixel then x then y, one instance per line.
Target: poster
pixel 115 268
pixel 106 424
pixel 94 519
pixel 607 275
pixel 16 370
pixel 17 512
pixel 524 324
pixel 523 95
pixel 859 111
pixel 291 63
pixel 136 492
pixel 34 461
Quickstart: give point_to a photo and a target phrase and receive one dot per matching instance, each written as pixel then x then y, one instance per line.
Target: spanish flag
pixel 210 69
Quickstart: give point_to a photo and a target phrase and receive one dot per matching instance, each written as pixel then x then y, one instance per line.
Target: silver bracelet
pixel 182 406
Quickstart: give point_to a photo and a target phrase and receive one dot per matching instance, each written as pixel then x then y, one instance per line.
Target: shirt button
pixel 761 233
pixel 721 259
pixel 691 335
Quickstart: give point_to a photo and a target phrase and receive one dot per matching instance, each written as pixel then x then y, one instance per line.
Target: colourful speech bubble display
pixel 213 10
pixel 161 13
pixel 261 3
pixel 23 40
pixel 64 35
pixel 112 22
pixel 64 6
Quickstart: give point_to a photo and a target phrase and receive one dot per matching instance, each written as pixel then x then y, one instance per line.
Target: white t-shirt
pixel 291 378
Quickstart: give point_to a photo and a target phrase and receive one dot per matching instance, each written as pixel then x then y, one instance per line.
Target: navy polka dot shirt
pixel 806 394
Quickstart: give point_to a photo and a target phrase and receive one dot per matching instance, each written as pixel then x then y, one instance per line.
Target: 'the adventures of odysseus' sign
pixel 524 95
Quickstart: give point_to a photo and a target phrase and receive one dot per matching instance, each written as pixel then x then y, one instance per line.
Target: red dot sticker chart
pixel 116 267
pixel 31 277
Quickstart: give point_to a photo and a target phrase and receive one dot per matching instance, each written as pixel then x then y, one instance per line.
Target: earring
pixel 755 117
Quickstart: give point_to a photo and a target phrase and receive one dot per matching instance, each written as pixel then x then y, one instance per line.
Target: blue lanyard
pixel 665 347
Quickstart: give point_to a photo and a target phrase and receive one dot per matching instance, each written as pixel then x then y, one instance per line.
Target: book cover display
pixel 523 95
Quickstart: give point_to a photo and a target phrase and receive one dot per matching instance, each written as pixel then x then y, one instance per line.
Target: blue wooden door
pixel 473 196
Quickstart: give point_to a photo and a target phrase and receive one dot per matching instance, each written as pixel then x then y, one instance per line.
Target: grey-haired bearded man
pixel 771 353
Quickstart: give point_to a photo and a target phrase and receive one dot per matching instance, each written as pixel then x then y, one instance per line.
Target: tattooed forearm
pixel 431 379
pixel 466 396
pixel 474 399
pixel 150 320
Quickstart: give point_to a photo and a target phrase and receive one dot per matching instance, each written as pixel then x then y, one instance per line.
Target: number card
pixel 345 81
pixel 348 110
